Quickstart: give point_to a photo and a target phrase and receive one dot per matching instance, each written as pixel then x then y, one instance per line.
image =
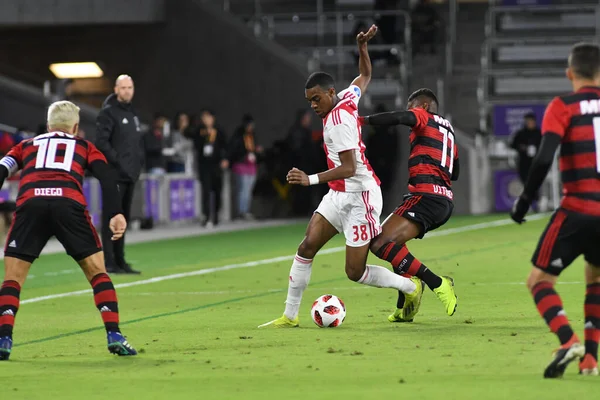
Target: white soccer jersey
pixel 342 132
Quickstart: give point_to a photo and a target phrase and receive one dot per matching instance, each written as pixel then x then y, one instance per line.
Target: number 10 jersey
pixel 53 165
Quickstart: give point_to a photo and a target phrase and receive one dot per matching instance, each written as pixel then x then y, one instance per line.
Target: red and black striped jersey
pixel 53 165
pixel 433 152
pixel 576 119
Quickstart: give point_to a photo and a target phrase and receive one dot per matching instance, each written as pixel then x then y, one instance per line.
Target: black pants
pixel 211 183
pixel 114 251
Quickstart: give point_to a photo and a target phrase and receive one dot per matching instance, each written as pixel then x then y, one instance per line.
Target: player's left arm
pixel 11 163
pixel 554 127
pixel 364 61
pixel 100 169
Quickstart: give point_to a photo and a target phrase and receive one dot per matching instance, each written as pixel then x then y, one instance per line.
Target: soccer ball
pixel 328 311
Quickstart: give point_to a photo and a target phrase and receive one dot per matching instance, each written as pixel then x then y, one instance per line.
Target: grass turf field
pixel 198 339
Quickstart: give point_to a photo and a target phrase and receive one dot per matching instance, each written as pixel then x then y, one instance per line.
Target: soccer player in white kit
pixel 353 204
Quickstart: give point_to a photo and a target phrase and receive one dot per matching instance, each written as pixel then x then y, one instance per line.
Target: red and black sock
pixel 9 305
pixel 105 298
pixel 405 263
pixel 550 307
pixel 592 319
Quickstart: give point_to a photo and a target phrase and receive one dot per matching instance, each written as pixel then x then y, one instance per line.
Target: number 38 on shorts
pixel 355 214
pixel 361 233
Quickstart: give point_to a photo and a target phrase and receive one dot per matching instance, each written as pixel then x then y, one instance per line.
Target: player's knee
pixel 353 273
pixel 308 248
pixel 536 276
pixel 592 273
pixel 92 265
pixel 377 243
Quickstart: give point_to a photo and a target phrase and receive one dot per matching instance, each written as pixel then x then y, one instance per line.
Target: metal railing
pixel 487 70
pixel 331 32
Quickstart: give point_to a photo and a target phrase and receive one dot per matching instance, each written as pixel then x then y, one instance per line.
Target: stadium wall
pixel 199 57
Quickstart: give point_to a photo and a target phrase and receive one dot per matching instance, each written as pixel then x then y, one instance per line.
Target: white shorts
pixel 356 214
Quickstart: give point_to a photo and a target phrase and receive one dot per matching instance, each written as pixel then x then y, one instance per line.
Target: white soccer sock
pixel 299 278
pixel 384 278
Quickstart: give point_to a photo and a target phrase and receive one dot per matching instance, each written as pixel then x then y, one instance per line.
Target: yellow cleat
pixel 282 322
pixel 397 316
pixel 412 301
pixel 446 295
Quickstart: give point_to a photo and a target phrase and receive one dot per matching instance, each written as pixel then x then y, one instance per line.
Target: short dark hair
pixel 425 93
pixel 585 60
pixel 321 79
pixel 530 115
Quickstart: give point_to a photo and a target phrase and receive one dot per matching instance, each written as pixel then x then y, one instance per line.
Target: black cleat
pixel 562 358
pixel 5 347
pixel 126 269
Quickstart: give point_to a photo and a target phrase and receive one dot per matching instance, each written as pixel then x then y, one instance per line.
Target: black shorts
pixel 567 236
pixel 37 220
pixel 428 210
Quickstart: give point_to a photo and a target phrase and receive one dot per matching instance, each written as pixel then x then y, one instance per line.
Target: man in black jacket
pixel 119 138
pixel 211 157
pixel 526 142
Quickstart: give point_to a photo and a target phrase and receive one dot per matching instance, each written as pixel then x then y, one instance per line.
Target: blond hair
pixel 62 115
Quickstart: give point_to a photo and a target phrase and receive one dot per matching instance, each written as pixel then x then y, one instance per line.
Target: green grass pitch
pixel 198 335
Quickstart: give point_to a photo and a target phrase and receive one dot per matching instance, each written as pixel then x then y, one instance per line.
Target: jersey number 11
pixel 448 136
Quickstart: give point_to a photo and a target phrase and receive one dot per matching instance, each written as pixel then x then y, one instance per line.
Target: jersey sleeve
pixel 344 133
pixel 93 154
pixel 352 92
pixel 422 117
pixel 556 118
pixel 13 160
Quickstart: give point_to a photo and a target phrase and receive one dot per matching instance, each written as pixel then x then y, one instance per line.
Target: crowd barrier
pixel 167 199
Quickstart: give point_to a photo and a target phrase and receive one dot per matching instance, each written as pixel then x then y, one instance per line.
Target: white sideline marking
pixel 266 261
pixel 312 288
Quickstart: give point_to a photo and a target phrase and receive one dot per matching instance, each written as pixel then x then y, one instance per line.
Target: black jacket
pixel 208 155
pixel 526 142
pixel 237 147
pixel 119 138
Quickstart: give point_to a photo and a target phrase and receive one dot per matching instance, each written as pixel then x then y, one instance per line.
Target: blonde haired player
pixel 51 203
pixel 353 203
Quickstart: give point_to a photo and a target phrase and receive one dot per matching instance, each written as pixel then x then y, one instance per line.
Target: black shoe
pixel 204 222
pixel 126 269
pixel 113 269
pixel 562 358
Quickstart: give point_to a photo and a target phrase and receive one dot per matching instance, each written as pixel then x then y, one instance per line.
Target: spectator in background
pixel 242 157
pixel 425 27
pixel 211 159
pixel 154 145
pixel 300 145
pixel 382 146
pixel 526 142
pixel 179 147
pixel 119 138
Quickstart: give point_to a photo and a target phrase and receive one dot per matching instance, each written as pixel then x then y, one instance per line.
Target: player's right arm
pixel 554 127
pixel 105 125
pixel 407 118
pixel 12 162
pixel 345 143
